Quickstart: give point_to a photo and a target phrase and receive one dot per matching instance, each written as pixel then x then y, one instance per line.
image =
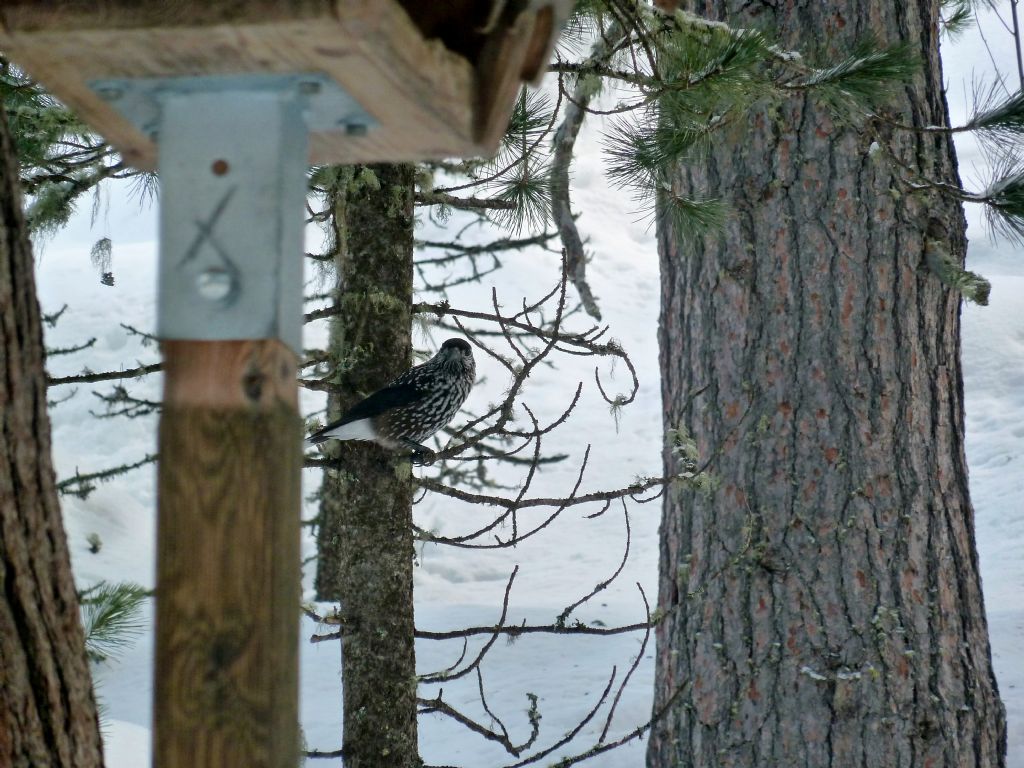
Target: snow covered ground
pixel 456 587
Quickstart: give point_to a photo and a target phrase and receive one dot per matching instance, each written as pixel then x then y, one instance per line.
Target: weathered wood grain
pixel 429 101
pixel 228 558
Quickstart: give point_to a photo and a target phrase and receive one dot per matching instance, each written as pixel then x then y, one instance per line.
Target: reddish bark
pixel 47 711
pixel 823 606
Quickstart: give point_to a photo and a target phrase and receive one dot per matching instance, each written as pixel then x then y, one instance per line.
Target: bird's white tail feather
pixel 354 430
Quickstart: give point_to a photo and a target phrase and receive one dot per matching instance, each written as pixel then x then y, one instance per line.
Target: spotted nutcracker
pixel 412 407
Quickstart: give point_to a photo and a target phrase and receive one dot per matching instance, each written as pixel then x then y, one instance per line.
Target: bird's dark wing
pixel 392 396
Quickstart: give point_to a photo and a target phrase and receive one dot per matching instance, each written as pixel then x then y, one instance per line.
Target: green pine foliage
pixel 1004 198
pixel 112 618
pixel 38 122
pixel 59 159
pixel 864 77
pixel 970 285
pixel 999 122
pixel 528 189
pixel 520 167
pixel 956 16
pixel 700 77
pixel 586 17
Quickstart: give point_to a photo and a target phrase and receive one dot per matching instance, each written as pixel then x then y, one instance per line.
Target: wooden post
pixel 228 559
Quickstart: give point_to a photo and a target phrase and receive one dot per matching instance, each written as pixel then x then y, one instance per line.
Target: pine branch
pixel 51 319
pixel 956 17
pixel 591 68
pixel 865 76
pixel 121 403
pixel 437 197
pixel 440 706
pixel 88 377
pixel 56 352
pixel 111 617
pixel 1004 200
pixel 564 145
pixel 1002 121
pixel 633 491
pixel 82 485
pixel 458 250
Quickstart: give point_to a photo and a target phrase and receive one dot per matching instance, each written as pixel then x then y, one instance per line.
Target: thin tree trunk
pixel 365 528
pixel 47 710
pixel 822 604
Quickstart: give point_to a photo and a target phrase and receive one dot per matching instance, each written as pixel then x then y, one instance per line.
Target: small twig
pixel 86 483
pixel 436 197
pixel 88 377
pixel 446 676
pixel 602 585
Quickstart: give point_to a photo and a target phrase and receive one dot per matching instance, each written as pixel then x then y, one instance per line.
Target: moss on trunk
pixel 365 528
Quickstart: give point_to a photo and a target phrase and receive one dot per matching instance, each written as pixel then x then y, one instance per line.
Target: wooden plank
pixel 429 101
pixel 498 78
pixel 228 588
pixel 64 15
pixel 421 94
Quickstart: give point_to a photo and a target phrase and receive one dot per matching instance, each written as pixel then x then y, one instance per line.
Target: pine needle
pixel 957 17
pixel 865 77
pixel 692 217
pixel 529 187
pixel 1004 201
pixel 1002 121
pixel 112 618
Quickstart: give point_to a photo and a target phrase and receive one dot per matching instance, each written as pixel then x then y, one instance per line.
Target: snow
pixel 456 588
pixel 993 351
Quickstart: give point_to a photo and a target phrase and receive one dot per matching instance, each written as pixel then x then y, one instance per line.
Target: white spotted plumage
pixel 414 406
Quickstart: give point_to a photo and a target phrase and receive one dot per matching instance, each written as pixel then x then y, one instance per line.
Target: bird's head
pixel 457 356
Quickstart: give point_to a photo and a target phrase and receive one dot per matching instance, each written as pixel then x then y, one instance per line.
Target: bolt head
pixel 215 284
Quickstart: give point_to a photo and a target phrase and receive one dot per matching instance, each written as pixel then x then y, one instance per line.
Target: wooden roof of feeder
pixel 440 77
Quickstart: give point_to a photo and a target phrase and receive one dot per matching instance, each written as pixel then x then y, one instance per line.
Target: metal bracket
pixel 232 164
pixel 326 106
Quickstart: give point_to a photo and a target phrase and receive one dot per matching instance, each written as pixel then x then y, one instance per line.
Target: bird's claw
pixel 423 458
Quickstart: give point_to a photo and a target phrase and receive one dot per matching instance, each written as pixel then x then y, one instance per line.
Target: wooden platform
pixel 439 76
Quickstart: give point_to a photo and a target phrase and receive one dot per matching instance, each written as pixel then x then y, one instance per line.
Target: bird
pixel 411 408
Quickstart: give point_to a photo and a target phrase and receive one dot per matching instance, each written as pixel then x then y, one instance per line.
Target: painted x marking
pixel 205 233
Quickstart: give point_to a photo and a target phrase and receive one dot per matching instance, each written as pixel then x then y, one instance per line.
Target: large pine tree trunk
pixel 47 711
pixel 822 605
pixel 365 540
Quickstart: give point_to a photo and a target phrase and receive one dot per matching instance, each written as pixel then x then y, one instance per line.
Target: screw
pixel 215 284
pixel 220 167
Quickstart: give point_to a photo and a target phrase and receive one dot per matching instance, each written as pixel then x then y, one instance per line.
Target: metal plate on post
pixel 232 165
pixel 326 106
pixel 232 201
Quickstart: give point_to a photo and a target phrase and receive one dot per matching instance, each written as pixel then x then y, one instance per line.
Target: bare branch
pixel 603 585
pixel 447 675
pixel 82 485
pixel 464 203
pixel 87 376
